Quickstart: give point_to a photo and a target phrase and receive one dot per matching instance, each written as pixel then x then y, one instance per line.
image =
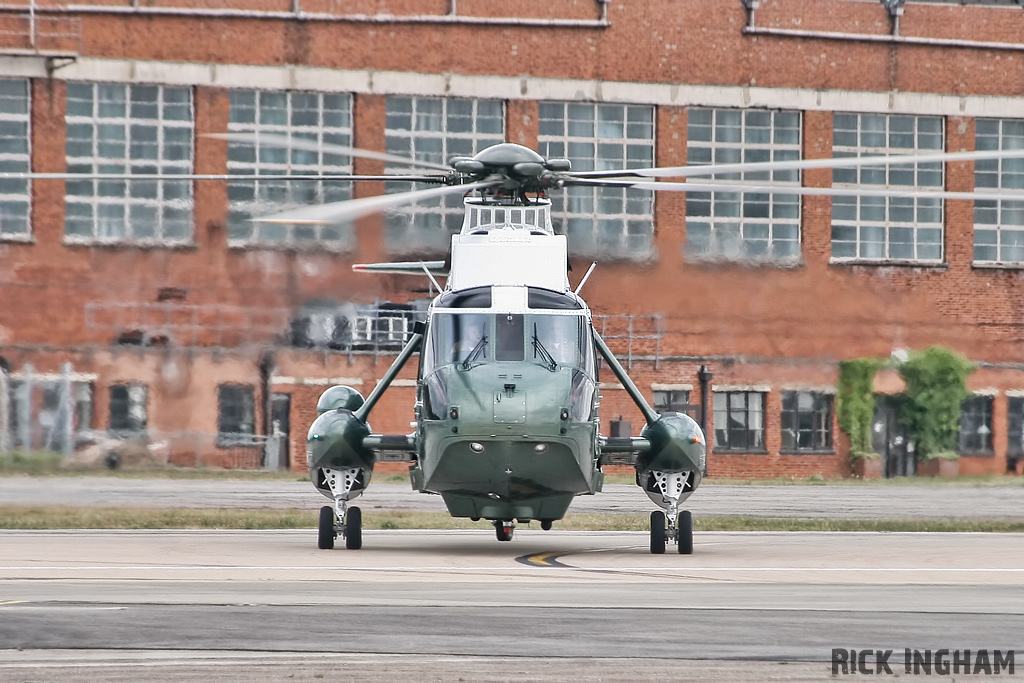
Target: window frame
pixel 426 227
pixel 16 161
pixel 146 212
pixel 744 226
pixel 245 421
pixel 674 400
pixel 133 426
pixel 976 406
pixel 749 412
pixel 241 231
pixel 625 233
pixel 1002 219
pixel 849 225
pixel 822 417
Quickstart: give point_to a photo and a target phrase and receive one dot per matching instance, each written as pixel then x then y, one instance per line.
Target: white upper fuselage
pixel 508 246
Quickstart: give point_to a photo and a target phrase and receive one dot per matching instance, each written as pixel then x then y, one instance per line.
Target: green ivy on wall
pixel 855 403
pixel 936 380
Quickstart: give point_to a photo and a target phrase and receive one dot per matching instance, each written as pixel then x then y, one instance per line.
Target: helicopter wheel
pixel 327 531
pixel 503 530
pixel 684 532
pixel 658 535
pixel 354 528
pixel 545 524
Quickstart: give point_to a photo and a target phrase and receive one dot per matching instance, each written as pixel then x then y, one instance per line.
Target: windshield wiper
pixel 476 352
pixel 538 349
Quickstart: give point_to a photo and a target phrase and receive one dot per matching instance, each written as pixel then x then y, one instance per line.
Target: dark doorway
pixel 280 427
pixel 889 438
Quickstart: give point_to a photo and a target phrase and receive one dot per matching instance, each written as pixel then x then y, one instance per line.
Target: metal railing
pixel 639 334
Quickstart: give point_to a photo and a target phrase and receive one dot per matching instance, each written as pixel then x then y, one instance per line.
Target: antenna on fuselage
pixel 431 276
pixel 584 280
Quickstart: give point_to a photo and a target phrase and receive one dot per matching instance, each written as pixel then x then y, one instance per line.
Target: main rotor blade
pixel 800 165
pixel 220 176
pixel 338 212
pixel 327 148
pixel 401 267
pixel 797 189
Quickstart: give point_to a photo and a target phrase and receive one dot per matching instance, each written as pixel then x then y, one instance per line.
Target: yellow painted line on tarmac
pixel 12 602
pixel 541 560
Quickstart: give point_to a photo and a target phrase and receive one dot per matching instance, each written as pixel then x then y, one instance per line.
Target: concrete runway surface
pixel 80 606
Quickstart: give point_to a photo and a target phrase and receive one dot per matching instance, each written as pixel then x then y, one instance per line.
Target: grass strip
pixel 59 517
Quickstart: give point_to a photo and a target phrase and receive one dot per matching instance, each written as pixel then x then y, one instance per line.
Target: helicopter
pixel 507 410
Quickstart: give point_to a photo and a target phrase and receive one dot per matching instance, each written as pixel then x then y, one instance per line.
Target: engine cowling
pixel 677 445
pixel 339 396
pixel 335 443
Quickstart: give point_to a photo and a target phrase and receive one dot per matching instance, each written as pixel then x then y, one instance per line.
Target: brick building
pixel 155 306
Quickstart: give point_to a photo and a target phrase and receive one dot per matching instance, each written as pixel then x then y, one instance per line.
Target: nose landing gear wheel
pixel 353 528
pixel 503 530
pixel 658 535
pixel 684 532
pixel 327 531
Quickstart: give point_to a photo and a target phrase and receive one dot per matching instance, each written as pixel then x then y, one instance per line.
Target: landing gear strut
pixel 671 524
pixel 341 519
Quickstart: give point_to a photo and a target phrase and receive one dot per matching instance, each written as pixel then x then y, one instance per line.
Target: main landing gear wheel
pixel 503 530
pixel 353 528
pixel 327 531
pixel 658 535
pixel 684 532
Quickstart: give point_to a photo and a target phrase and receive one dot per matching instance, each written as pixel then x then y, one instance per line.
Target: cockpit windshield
pixel 468 339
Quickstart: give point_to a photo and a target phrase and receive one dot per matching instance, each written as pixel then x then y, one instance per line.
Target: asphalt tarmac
pixel 105 606
pixel 450 604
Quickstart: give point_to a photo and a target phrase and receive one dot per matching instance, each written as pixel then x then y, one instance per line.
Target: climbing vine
pixel 855 405
pixel 936 381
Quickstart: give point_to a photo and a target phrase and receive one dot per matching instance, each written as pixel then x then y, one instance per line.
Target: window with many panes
pixel 976 426
pixel 14 158
pixel 128 408
pixel 806 421
pixel 601 221
pixel 743 225
pixel 236 415
pixel 434 129
pixel 999 225
pixel 129 129
pixel 675 401
pixel 872 228
pixel 309 123
pixel 38 415
pixel 739 420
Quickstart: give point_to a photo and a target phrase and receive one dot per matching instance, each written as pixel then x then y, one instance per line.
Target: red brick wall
pixel 751 324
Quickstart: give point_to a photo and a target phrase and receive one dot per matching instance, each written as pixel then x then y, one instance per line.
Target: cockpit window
pixel 558 336
pixel 460 338
pixel 469 339
pixel 508 330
